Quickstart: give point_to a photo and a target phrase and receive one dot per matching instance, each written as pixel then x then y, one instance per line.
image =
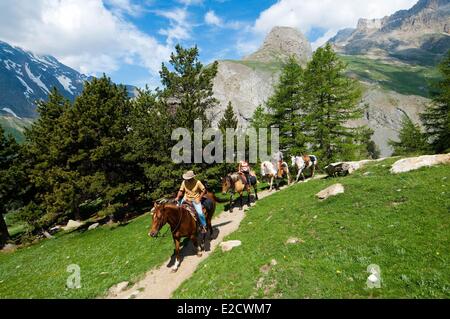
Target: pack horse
pixel 268 171
pixel 304 162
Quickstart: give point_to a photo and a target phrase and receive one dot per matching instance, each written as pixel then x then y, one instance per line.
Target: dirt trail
pixel 160 283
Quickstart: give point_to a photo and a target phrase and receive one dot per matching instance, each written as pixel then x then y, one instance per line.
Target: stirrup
pixel 203 230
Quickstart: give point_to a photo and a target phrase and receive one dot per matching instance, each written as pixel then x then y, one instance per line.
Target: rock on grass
pixel 331 191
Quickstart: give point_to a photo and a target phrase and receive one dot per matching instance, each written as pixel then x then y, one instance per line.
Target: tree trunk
pixel 4 234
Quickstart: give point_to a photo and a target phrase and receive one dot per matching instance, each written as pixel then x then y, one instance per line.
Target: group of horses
pixel 181 222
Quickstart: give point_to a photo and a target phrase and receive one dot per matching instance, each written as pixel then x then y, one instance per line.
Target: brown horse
pixel 235 183
pixel 182 225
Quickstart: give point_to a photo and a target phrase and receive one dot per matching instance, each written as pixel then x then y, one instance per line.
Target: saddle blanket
pixel 207 205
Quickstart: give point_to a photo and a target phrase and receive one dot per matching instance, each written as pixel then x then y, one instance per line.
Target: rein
pixel 176 228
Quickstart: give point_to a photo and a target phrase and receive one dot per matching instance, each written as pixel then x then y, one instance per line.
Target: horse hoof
pixel 174 270
pixel 199 255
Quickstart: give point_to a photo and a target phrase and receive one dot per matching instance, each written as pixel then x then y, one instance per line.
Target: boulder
pixel 413 163
pixel 338 169
pixel 72 225
pixel 55 229
pixel 93 226
pixel 47 235
pixel 9 248
pixel 229 245
pixel 347 168
pixel 116 289
pixel 331 191
pixel 293 241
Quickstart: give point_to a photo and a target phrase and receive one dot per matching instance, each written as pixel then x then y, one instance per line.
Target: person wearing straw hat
pixel 193 191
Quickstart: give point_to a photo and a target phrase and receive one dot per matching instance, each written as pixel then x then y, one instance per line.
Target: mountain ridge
pixel 416 35
pixel 26 77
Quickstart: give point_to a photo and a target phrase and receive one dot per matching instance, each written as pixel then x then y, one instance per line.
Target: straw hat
pixel 189 175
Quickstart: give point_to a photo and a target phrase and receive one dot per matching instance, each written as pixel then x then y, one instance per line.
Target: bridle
pixel 229 180
pixel 164 221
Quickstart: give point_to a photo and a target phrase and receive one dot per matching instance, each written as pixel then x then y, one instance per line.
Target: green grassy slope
pixel 106 255
pixel 272 67
pixel 404 79
pixel 400 223
pixel 15 126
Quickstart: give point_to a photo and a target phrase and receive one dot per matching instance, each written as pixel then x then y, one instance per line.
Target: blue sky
pixel 129 39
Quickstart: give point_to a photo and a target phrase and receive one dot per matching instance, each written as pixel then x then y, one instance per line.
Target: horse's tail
pixel 213 197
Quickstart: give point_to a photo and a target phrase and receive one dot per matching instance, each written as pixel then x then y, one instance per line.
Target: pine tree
pixel 436 117
pixel 260 118
pixel 188 89
pixel 412 140
pixel 9 180
pixel 331 100
pixel 285 108
pixel 229 119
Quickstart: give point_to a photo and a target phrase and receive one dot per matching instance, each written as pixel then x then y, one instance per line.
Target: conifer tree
pixel 188 89
pixel 10 177
pixel 436 117
pixel 331 99
pixel 229 119
pixel 285 108
pixel 412 140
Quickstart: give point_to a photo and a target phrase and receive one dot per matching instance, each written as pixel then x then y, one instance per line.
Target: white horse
pixel 304 162
pixel 269 171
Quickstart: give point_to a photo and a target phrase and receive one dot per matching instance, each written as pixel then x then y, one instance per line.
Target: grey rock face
pixel 384 113
pixel 418 34
pixel 249 83
pixel 280 44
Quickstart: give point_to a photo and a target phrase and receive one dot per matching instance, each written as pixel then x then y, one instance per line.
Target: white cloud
pixel 212 19
pixel 190 2
pixel 82 34
pixel 180 27
pixel 125 6
pixel 331 15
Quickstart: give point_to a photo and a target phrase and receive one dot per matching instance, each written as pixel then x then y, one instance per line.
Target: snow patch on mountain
pixel 8 110
pixel 28 89
pixel 10 65
pixel 8 51
pixel 35 79
pixel 42 59
pixel 66 83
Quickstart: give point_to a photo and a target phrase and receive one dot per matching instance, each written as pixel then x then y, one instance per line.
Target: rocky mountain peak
pixel 280 44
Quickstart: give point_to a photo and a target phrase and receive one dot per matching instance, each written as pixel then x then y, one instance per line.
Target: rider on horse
pixel 278 157
pixel 244 169
pixel 193 191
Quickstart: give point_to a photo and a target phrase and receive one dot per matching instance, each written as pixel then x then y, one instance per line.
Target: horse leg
pixel 255 187
pixel 241 200
pixel 249 193
pixel 177 255
pixel 271 184
pixel 298 175
pixel 231 203
pixel 197 247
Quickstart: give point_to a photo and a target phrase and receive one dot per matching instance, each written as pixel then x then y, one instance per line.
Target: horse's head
pixel 226 184
pixel 158 221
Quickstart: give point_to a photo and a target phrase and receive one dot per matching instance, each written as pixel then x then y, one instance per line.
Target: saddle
pixel 251 180
pixel 206 206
